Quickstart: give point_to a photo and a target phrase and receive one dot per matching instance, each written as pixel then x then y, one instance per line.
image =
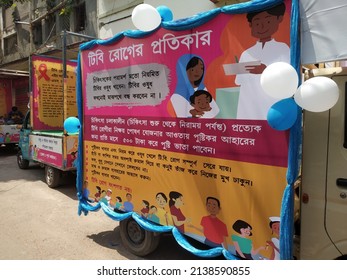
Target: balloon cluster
pixel 280 80
pixel 72 125
pixel 147 18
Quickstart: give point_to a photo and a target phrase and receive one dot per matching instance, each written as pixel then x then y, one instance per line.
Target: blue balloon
pixel 283 114
pixel 72 124
pixel 165 13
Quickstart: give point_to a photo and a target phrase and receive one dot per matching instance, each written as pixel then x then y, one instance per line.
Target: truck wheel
pixel 138 241
pixel 22 162
pixel 52 176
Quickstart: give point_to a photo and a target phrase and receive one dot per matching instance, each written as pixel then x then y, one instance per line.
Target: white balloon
pixel 145 17
pixel 279 80
pixel 317 94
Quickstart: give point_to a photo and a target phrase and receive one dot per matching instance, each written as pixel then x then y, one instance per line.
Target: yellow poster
pixel 54 97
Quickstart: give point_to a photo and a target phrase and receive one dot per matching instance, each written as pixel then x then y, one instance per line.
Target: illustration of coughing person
pixel 190 71
pixel 254 103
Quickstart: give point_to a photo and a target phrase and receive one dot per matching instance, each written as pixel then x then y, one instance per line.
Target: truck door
pixel 323 223
pixel 24 143
pixel 336 185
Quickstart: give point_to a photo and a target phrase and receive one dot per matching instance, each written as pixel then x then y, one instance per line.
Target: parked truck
pixel 42 137
pixel 323 175
pixel 13 100
pixel 9 134
pixel 178 135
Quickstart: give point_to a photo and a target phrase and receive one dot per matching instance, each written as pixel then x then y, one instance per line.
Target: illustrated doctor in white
pixel 254 103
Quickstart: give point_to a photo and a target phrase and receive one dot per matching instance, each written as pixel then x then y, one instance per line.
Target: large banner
pixel 53 96
pixel 175 129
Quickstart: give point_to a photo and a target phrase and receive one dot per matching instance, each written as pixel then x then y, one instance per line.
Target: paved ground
pixel 39 223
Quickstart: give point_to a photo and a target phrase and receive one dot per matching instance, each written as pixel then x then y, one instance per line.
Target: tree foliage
pixel 9 3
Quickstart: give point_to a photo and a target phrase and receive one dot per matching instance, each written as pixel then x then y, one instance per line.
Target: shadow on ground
pixel 168 248
pixel 9 171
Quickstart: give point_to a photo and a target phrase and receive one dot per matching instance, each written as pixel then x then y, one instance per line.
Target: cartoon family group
pixel 159 214
pixel 216 233
pixel 213 229
pixel 192 99
pixel 105 196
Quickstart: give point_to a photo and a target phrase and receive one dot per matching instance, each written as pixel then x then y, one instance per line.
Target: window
pixel 80 17
pixel 10 44
pixel 37 34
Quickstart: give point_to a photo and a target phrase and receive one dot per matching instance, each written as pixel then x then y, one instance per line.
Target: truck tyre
pixel 52 176
pixel 136 240
pixel 22 162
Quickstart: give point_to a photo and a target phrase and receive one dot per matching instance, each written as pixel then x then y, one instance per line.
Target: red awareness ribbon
pixel 43 72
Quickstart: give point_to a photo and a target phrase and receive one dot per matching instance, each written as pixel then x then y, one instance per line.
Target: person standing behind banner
pixel 15 116
pixel 254 103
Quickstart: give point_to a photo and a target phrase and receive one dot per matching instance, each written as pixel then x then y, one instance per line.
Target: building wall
pixel 115 16
pixel 18 40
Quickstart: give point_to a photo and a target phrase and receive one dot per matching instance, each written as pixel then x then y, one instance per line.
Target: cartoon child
pixel 274 243
pixel 145 208
pixel 152 215
pixel 243 244
pixel 97 195
pixel 175 204
pixel 190 70
pixel 118 205
pixel 102 195
pixel 214 230
pixel 107 198
pixel 200 100
pixel 128 205
pixel 164 217
pixel 7 137
pixel 254 103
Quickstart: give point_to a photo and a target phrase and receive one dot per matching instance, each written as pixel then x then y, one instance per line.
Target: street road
pixel 39 223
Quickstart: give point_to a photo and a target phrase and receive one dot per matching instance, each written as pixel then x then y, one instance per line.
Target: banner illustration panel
pixel 175 129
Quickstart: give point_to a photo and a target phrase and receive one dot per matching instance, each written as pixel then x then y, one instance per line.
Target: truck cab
pixel 324 176
pixel 23 155
pixel 52 150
